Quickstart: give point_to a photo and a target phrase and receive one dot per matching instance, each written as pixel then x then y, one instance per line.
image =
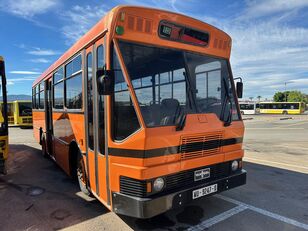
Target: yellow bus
pixel 22 113
pixel 10 112
pixel 282 108
pixel 142 111
pixel 3 120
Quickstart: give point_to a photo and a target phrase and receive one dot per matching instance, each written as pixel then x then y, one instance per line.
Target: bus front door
pixel 96 158
pixel 48 114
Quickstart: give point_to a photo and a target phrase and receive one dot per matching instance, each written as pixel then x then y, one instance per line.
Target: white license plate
pixel 204 191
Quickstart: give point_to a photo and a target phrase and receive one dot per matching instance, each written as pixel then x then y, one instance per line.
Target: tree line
pixel 290 96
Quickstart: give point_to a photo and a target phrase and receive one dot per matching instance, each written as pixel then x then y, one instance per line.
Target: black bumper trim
pixel 149 207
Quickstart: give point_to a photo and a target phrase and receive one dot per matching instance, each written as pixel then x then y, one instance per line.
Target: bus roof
pixel 105 24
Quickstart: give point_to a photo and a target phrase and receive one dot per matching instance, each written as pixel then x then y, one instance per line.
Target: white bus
pixel 249 108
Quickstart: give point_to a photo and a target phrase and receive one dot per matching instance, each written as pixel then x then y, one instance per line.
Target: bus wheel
pixel 242 113
pixel 285 112
pixel 81 175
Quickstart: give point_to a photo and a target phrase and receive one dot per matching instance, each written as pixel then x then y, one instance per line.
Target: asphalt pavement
pixel 37 195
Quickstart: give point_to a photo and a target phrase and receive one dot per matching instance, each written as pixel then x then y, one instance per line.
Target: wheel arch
pixel 73 153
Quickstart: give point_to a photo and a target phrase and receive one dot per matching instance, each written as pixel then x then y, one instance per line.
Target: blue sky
pixel 270 37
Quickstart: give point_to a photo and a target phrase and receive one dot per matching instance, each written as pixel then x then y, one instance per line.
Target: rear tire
pixel 81 175
pixel 285 112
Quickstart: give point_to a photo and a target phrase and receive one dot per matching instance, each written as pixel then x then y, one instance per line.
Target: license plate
pixel 204 191
pixel 202 174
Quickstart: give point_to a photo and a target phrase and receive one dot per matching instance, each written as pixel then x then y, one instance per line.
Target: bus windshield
pixel 169 82
pixel 25 109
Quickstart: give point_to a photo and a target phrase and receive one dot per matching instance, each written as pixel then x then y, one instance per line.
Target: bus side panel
pixel 38 122
pixel 91 173
pixel 77 130
pixel 61 146
pixel 102 177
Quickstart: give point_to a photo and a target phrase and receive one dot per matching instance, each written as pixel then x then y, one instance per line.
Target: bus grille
pixel 132 187
pixel 174 182
pixel 201 145
pixel 27 120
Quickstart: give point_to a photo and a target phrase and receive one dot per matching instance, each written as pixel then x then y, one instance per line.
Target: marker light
pixel 234 165
pixel 158 184
pixel 119 30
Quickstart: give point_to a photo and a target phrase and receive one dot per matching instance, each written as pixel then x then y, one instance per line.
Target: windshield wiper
pixel 180 119
pixel 224 106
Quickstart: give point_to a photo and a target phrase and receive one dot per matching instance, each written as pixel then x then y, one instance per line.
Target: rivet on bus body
pixel 119 30
pixel 180 203
pixel 180 195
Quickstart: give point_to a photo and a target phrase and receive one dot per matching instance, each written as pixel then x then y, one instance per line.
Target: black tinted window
pixel 125 118
pixel 73 67
pixel 24 109
pixel 58 95
pixel 179 83
pixel 90 102
pixel 74 92
pixel 42 98
pixel 101 107
pixel 58 76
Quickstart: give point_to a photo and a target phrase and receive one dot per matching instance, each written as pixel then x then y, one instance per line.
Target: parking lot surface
pixel 37 195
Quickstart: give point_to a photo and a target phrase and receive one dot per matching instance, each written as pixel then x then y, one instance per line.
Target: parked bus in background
pixel 22 113
pixel 249 108
pixel 282 108
pixel 143 111
pixel 3 120
pixel 10 112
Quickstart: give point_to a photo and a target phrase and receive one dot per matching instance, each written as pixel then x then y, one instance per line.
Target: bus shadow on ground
pixel 44 196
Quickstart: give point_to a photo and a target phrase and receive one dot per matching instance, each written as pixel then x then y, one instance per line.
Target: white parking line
pixel 265 212
pixel 239 208
pixel 214 220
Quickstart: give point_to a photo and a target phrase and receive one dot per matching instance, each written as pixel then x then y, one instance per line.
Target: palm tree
pixel 259 98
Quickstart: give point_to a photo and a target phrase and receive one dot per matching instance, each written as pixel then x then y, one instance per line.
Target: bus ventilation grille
pixel 139 24
pixel 132 187
pixel 200 145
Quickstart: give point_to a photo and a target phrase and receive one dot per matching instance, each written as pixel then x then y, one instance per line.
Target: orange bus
pixel 142 110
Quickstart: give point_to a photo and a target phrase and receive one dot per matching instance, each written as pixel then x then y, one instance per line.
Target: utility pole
pixel 285 90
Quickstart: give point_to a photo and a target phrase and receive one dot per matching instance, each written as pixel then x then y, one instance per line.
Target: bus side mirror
pixel 239 89
pixel 104 81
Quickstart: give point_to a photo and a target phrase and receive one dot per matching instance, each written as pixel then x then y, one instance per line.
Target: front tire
pixel 81 175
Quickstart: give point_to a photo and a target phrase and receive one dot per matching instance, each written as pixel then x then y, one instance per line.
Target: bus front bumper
pixel 150 207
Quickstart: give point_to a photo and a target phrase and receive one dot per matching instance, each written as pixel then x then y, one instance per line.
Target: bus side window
pixel 101 108
pixel 90 102
pixel 125 120
pixel 58 89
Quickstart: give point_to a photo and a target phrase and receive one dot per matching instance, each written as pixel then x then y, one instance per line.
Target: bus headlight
pixel 234 165
pixel 158 184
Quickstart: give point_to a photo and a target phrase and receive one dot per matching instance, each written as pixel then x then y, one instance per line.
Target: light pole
pixel 285 90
